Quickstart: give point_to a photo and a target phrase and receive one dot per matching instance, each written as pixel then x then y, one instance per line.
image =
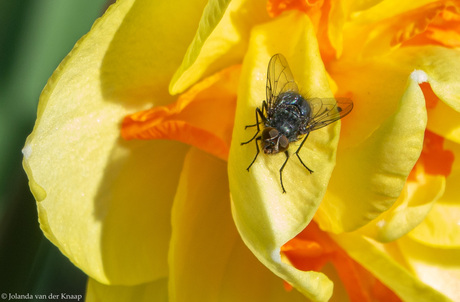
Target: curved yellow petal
pixel 202 116
pixel 337 18
pixel 265 217
pixel 378 30
pixel 410 209
pixel 374 84
pixel 377 258
pixel 444 121
pixel 441 227
pixel 369 177
pixel 153 291
pixel 438 268
pixel 146 49
pixel 441 66
pixel 103 201
pixel 208 260
pixel 221 40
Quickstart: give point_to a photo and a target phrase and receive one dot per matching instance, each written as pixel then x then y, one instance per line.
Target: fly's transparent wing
pixel 328 110
pixel 279 79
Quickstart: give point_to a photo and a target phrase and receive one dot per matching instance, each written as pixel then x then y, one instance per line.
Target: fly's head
pixel 273 141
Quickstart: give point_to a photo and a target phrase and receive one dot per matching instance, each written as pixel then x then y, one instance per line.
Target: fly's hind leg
pixel 298 156
pixel 281 170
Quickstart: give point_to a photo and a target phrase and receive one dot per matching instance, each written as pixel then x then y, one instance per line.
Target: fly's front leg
pixel 258 113
pixel 281 170
pixel 257 153
pixel 262 115
pixel 298 156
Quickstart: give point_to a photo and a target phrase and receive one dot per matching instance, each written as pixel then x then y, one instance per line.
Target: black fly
pixel 287 116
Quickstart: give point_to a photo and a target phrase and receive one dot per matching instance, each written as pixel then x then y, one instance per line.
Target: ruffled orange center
pixel 319 13
pixel 201 117
pixel 434 159
pixel 277 7
pixel 313 248
pixel 431 99
pixel 440 26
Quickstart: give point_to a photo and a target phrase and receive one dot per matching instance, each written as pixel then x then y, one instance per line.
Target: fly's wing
pixel 328 110
pixel 279 79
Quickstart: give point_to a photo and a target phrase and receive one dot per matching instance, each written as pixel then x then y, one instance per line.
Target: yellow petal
pixel 377 259
pixel 441 66
pixel 153 291
pixel 445 122
pixel 438 268
pixel 265 217
pixel 221 40
pixel 378 30
pixel 441 228
pixel 376 87
pixel 373 85
pixel 208 260
pixel 103 201
pixel 202 116
pixel 145 50
pixel 411 208
pixel 369 177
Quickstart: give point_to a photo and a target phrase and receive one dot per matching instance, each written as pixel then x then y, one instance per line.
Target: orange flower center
pixel 440 26
pixel 277 7
pixel 434 159
pixel 313 248
pixel 202 117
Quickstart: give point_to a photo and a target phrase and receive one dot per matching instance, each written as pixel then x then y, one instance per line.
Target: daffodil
pixel 141 180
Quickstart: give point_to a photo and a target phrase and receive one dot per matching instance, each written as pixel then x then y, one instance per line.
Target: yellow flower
pixel 123 195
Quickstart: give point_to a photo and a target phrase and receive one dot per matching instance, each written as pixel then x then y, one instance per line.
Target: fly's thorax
pixel 273 141
pixel 290 115
pixel 297 101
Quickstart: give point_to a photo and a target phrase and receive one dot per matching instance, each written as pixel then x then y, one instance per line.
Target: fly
pixel 287 116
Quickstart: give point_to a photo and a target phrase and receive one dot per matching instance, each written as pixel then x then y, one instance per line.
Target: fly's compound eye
pixel 273 141
pixel 283 143
pixel 270 133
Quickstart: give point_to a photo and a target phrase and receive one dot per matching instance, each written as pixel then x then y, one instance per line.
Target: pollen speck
pixel 276 256
pixel 27 151
pixel 419 76
pixel 381 224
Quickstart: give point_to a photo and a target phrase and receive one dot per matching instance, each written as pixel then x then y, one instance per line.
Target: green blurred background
pixel 35 35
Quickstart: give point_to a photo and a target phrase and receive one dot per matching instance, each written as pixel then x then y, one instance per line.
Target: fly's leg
pixel 281 170
pixel 298 156
pixel 264 110
pixel 257 153
pixel 249 126
pixel 261 114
